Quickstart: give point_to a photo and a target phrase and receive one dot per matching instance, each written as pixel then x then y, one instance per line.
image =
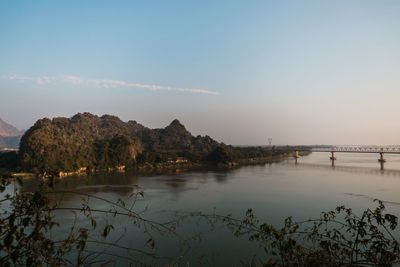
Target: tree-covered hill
pixel 86 141
pixel 90 141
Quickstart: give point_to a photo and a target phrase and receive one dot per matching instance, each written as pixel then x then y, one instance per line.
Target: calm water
pixel 274 191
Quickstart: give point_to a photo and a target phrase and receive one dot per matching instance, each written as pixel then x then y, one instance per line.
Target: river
pixel 274 191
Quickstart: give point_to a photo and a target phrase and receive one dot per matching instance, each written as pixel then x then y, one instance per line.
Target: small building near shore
pixel 178 160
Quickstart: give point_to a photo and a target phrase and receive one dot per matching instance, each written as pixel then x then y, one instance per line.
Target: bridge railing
pixel 359 149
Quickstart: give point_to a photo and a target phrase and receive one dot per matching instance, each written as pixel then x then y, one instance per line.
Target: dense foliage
pixel 27 222
pixel 89 141
pixel 340 237
pixel 67 144
pixel 9 161
pixel 118 151
pixel 224 154
pixel 255 152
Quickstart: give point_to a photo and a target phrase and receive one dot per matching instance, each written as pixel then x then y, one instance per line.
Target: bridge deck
pixel 359 149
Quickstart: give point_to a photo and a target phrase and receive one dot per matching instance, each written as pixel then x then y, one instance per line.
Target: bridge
pixel 381 150
pixel 359 149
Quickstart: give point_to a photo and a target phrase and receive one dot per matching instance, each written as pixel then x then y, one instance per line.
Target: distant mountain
pixel 86 140
pixel 8 130
pixel 9 136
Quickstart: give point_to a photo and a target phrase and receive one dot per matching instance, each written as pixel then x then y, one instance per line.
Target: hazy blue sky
pixel 300 72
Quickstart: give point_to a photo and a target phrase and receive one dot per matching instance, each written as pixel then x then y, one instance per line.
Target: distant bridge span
pixel 359 149
pixel 381 150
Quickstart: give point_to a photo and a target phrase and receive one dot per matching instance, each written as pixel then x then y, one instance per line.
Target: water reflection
pixel 119 184
pixel 124 184
pixel 372 199
pixel 300 188
pixel 174 182
pixel 221 177
pixel 350 169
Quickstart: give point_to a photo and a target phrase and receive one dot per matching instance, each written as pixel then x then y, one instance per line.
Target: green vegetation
pixel 224 155
pixel 61 144
pixel 27 221
pixel 120 150
pixel 89 142
pixel 98 143
pixel 340 237
pixel 9 161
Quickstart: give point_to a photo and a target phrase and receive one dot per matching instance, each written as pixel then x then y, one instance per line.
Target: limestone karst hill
pixel 87 140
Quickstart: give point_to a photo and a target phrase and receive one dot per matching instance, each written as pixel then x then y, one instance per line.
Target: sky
pixel 299 72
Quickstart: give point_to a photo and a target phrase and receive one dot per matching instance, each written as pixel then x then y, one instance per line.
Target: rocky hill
pixel 86 140
pixel 8 130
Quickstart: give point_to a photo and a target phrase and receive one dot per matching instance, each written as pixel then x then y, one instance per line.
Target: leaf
pixel 141 193
pixel 151 242
pixel 107 230
pixel 93 222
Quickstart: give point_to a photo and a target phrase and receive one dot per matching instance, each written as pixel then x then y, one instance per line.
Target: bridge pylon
pixel 382 158
pixel 296 156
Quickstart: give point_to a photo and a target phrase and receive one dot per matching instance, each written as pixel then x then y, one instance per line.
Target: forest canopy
pixel 89 141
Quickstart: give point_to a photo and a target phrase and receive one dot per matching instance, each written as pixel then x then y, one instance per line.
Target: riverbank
pixel 273 192
pixel 166 167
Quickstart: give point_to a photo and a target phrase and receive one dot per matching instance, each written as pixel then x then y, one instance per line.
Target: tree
pixel 28 219
pixel 338 238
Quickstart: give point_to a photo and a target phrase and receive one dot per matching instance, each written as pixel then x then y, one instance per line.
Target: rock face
pixel 86 140
pixel 8 130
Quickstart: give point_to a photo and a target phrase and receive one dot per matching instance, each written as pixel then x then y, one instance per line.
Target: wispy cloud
pixel 102 83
